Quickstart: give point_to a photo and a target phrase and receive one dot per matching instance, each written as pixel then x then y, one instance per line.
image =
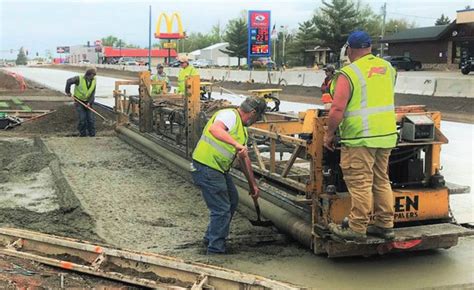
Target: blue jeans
pixel 221 197
pixel 86 120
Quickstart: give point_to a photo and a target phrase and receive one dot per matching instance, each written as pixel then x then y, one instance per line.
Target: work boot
pixel 346 233
pixel 384 233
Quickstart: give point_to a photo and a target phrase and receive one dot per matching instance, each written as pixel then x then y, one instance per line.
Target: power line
pixel 416 16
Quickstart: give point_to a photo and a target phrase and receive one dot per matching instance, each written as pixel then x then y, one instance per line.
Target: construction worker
pixel 326 97
pixel 363 109
pixel 84 91
pixel 186 71
pixel 160 76
pixel 223 139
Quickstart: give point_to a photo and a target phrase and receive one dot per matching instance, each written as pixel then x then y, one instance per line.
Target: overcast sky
pixel 42 25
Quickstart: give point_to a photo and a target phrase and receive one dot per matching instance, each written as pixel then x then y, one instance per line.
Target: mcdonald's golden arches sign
pixel 169 34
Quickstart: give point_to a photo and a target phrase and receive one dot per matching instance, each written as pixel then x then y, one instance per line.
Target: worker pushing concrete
pixel 187 70
pixel 363 109
pixel 223 139
pixel 84 95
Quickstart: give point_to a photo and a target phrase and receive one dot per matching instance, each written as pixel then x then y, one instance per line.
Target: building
pixel 108 54
pixel 214 54
pixel 437 47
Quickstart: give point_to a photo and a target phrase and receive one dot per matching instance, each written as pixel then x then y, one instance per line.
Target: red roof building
pixel 136 52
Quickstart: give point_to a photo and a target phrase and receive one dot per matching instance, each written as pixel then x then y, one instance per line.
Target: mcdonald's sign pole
pixel 169 34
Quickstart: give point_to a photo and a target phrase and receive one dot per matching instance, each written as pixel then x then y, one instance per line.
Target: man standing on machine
pixel 363 109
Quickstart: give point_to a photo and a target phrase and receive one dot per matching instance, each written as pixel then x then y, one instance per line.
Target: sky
pixel 43 25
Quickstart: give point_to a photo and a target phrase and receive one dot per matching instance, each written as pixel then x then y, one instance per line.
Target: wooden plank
pixel 283 138
pixel 260 162
pixel 30 242
pixel 291 161
pixel 272 155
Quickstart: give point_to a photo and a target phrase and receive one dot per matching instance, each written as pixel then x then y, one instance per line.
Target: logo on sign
pixel 260 18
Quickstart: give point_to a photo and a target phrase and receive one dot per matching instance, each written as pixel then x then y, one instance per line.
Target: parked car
pixel 202 63
pixel 127 61
pixel 84 61
pixel 264 62
pixel 174 63
pixel 403 62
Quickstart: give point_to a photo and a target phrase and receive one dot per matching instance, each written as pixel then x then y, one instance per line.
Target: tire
pixel 465 71
pixel 417 67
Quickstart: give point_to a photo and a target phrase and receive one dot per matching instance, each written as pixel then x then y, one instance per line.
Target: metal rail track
pixel 137 268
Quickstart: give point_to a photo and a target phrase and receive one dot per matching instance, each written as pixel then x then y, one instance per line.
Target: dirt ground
pixel 452 109
pixel 9 86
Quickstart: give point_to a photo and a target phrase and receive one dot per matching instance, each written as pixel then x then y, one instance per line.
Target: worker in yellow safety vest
pixel 159 76
pixel 223 139
pixel 363 110
pixel 187 70
pixel 84 91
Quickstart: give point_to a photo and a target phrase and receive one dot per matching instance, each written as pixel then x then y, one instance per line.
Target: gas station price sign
pixel 259 33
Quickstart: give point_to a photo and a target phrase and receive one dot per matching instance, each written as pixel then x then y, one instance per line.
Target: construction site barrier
pixel 293 78
pixel 313 79
pixel 415 85
pixel 239 75
pixel 450 87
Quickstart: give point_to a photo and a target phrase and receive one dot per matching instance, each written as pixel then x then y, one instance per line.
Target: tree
pixel 21 59
pixel 303 39
pixel 236 36
pixel 110 41
pixel 397 25
pixel 334 21
pixel 442 20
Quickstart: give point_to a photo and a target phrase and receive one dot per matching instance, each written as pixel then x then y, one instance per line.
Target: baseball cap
pixel 254 103
pixel 359 39
pixel 159 66
pixel 330 68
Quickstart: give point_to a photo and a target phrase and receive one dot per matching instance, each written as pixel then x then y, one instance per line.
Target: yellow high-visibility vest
pixel 369 119
pixel 217 154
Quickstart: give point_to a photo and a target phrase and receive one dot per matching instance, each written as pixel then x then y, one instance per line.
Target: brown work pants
pixel 366 177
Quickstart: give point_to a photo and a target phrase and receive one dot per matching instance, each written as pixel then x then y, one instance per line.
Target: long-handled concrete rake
pixel 106 121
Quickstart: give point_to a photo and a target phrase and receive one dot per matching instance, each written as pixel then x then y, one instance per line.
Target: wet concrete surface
pixel 132 201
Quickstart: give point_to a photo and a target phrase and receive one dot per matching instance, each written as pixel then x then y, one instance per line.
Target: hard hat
pixel 183 58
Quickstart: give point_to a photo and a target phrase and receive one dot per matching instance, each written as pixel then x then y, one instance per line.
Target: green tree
pixel 334 21
pixel 236 36
pixel 21 59
pixel 110 41
pixel 303 39
pixel 397 25
pixel 442 20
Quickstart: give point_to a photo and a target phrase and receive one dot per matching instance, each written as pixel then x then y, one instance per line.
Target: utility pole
pixel 149 40
pixel 384 15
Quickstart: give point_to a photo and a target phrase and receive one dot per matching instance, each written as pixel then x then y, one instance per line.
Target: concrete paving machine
pixel 302 184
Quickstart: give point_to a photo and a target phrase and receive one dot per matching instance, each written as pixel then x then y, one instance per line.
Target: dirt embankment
pixel 452 109
pixel 63 122
pixel 10 86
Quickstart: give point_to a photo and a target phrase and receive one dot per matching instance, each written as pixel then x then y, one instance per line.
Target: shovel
pixel 259 222
pixel 106 121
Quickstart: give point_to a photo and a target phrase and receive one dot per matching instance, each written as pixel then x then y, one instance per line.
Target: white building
pixel 218 58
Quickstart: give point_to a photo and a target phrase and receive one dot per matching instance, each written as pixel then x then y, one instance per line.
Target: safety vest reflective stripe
pixel 364 112
pixel 216 146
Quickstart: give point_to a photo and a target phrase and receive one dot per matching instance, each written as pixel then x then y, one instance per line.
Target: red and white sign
pixel 259 19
